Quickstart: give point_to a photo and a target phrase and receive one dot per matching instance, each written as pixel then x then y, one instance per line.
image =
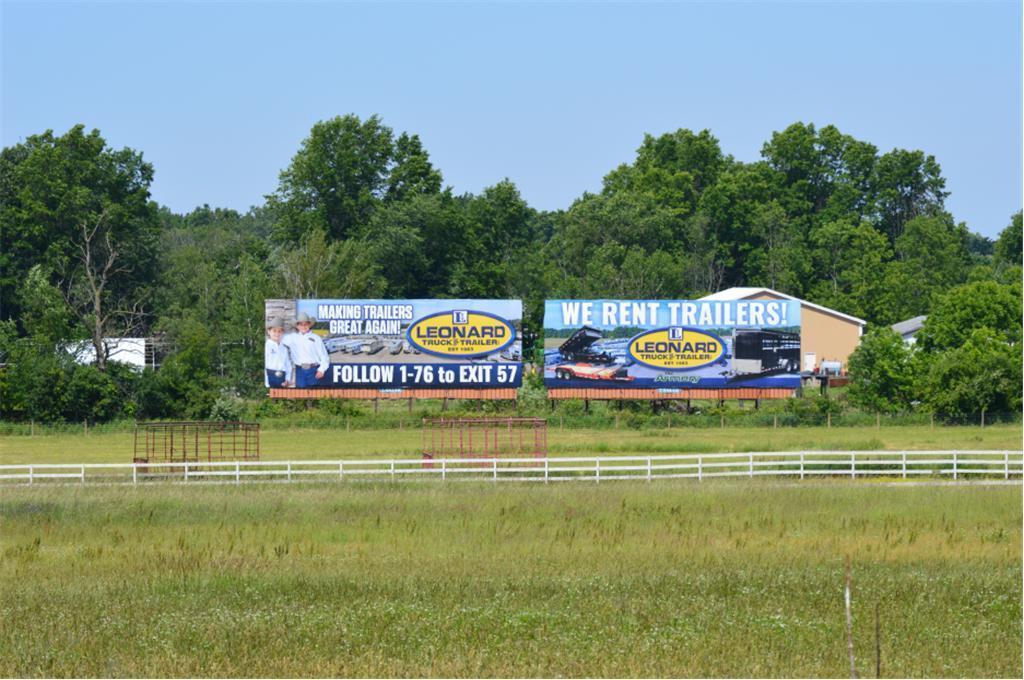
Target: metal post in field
pixel 30 475
pixel 238 472
pixel 186 472
pixel 495 469
pixel 954 466
pixel 853 465
pixel 392 471
pixel 444 470
pixel 847 598
pixel 545 470
pixel 751 466
pixel 597 470
pixel 341 470
pixel 289 471
pixel 700 468
pixel 649 468
pixel 1006 464
pixel 904 464
pixel 135 473
pixel 82 474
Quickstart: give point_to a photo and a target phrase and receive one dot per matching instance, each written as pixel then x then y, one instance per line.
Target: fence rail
pixel 954 465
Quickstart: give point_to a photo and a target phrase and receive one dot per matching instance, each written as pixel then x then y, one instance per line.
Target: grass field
pixel 666 579
pixel 299 444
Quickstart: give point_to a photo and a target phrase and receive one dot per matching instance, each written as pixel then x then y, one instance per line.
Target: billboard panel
pixel 393 344
pixel 671 344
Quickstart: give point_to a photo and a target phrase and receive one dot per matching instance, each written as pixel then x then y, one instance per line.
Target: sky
pixel 219 96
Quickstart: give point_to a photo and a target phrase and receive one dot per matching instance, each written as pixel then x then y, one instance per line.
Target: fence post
pixel 721 419
pixel 649 468
pixel 444 469
pixel 801 465
pixel 775 422
pixel 751 466
pixel 289 471
pixel 341 470
pixel 135 473
pixel 392 471
pixel 597 471
pixel 1006 464
pixel 904 464
pixel 700 467
pixel 853 465
pixel 954 466
pixel 82 474
pixel 238 472
pixel 186 472
pixel 495 468
pixel 829 418
pixel 545 470
pixel 31 473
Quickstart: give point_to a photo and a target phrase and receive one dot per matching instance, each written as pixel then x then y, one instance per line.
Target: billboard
pixel 671 344
pixel 393 344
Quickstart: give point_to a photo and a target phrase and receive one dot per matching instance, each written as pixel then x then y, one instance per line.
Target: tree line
pixel 360 211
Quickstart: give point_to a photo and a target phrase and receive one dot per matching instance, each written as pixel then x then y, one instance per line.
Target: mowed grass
pixel 663 579
pixel 306 444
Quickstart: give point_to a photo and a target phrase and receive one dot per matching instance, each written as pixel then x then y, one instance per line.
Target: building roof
pixel 910 326
pixel 742 293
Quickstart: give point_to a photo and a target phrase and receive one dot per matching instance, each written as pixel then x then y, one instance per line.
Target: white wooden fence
pixel 953 465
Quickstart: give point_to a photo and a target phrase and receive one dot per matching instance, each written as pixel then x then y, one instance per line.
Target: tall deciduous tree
pixel 342 173
pixel 83 211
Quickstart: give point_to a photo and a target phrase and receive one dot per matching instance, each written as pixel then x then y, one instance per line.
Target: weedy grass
pixel 661 579
pixel 306 444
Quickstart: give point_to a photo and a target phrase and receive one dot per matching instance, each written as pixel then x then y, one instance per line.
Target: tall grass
pixel 666 579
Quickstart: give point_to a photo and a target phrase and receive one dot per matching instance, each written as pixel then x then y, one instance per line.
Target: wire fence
pixel 902 465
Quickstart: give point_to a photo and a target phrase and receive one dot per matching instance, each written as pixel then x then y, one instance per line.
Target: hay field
pixel 305 444
pixel 662 579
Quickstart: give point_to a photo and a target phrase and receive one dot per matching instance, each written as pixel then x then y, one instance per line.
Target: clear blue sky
pixel 552 96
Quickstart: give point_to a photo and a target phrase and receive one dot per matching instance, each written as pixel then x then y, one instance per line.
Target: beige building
pixel 825 334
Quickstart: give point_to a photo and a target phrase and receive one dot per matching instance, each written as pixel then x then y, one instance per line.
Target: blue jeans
pixel 306 377
pixel 275 378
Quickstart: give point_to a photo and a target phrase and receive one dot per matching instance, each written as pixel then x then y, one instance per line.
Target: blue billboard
pixel 671 344
pixel 393 344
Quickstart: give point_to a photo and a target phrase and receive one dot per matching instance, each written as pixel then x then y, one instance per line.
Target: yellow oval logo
pixel 461 333
pixel 677 348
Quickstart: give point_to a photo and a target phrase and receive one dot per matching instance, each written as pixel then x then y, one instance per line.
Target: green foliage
pixel 51 187
pixel 342 173
pixel 981 374
pixel 966 308
pixel 881 378
pixel 1009 248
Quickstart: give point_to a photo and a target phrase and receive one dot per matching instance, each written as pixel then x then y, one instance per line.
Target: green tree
pixel 906 184
pixel 1009 247
pixel 981 375
pixel 931 258
pixel 342 173
pixel 881 378
pixel 966 308
pixel 82 211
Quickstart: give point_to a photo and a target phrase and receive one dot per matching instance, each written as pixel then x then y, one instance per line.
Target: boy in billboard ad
pixel 307 352
pixel 397 344
pixel 671 343
pixel 277 360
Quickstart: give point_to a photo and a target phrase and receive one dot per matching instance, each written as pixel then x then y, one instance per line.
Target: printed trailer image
pixel 393 344
pixel 671 343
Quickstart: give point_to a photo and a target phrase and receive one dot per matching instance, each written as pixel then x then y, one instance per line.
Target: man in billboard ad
pixel 397 344
pixel 665 344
